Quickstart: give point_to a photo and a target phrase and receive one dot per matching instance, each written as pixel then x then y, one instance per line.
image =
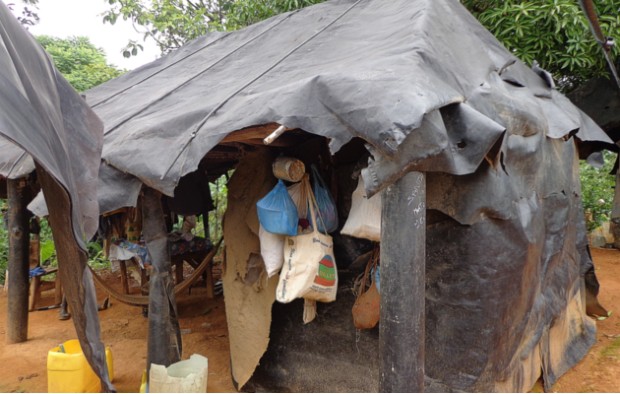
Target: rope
pixel 143 300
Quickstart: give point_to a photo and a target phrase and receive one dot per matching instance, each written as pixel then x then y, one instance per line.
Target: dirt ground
pixel 203 327
pixel 124 330
pixel 599 371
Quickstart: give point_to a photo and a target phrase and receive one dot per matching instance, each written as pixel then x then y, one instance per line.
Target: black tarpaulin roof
pixel 342 69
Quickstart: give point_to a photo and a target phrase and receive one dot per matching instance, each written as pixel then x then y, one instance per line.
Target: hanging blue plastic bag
pixel 328 214
pixel 277 212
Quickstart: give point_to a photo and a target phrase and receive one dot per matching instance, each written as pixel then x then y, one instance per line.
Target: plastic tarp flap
pixel 521 258
pixel 14 162
pixel 453 140
pixel 114 191
pixel 42 115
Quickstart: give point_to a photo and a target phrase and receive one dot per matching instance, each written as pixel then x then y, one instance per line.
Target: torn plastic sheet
pixel 43 116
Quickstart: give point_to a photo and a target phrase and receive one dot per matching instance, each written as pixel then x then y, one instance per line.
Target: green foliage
pixel 48 257
pixel 171 23
pixel 246 12
pixel 28 15
pixel 80 62
pixel 597 190
pixel 555 33
pixel 219 193
pixel 96 256
pixel 47 250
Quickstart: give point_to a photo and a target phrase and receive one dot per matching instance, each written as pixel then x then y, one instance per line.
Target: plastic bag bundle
pixel 309 269
pixel 326 205
pixel 277 212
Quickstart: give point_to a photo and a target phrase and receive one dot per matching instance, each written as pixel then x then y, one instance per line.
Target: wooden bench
pixel 37 284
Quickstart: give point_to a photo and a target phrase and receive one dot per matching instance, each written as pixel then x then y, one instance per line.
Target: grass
pixel 613 350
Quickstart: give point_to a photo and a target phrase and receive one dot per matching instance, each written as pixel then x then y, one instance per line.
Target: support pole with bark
pixel 164 338
pixel 19 254
pixel 403 261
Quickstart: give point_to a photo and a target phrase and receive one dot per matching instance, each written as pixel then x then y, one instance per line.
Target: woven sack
pixel 367 307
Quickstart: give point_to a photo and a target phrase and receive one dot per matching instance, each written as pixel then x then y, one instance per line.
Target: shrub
pixel 597 190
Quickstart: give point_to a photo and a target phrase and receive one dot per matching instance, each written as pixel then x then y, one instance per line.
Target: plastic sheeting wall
pixel 506 255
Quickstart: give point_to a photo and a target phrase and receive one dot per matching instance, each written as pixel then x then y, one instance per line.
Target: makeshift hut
pixel 484 256
pixel 50 140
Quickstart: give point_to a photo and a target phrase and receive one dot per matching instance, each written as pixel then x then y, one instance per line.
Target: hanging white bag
pixel 272 250
pixel 364 219
pixel 309 269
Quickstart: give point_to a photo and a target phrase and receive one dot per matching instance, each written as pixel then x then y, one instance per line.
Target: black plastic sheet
pixel 42 117
pixel 341 69
pixel 428 89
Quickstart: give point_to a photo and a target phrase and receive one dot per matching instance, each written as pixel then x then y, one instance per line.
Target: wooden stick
pixel 273 136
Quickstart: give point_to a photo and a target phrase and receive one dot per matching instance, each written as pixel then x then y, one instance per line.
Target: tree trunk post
pixel 164 337
pixel 403 261
pixel 19 254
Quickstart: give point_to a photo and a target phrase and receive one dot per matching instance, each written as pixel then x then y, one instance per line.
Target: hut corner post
pixel 164 337
pixel 19 243
pixel 403 261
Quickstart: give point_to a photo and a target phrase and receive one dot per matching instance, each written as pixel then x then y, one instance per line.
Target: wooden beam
pixel 403 261
pixel 19 255
pixel 281 142
pixel 250 133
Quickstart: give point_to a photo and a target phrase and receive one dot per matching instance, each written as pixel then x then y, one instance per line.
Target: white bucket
pixel 187 376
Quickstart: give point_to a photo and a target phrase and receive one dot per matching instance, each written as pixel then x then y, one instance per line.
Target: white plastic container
pixel 187 376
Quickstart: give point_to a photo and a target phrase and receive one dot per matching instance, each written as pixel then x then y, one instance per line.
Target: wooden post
pixel 19 255
pixel 164 338
pixel 34 260
pixel 124 280
pixel 403 241
pixel 179 269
